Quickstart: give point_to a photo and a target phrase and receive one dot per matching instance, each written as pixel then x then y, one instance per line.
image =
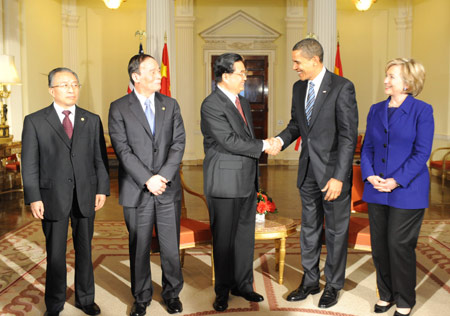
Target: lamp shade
pixel 8 72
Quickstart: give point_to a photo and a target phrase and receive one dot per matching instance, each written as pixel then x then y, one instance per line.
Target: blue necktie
pixel 150 115
pixel 310 101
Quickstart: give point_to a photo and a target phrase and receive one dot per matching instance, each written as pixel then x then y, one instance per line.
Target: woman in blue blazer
pixel 397 145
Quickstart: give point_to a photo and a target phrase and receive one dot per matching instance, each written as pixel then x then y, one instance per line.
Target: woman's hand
pixel 383 185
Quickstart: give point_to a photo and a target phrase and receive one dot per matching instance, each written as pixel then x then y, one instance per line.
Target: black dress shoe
pixel 400 314
pixel 51 314
pixel 329 297
pixel 221 303
pixel 91 309
pixel 139 309
pixel 302 292
pixel 174 305
pixel 383 308
pixel 249 296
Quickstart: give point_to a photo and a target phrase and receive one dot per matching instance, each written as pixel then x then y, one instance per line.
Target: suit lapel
pixel 230 108
pixel 322 94
pixel 53 120
pixel 403 109
pixel 382 115
pixel 160 112
pixel 79 125
pixel 301 101
pixel 136 108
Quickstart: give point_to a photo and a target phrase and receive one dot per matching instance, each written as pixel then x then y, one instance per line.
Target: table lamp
pixel 8 76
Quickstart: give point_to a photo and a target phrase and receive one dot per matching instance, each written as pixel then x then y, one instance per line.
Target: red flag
pixel 297 144
pixel 130 87
pixel 165 73
pixel 338 63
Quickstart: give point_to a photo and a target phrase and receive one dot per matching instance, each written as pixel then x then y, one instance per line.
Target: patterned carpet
pixel 22 274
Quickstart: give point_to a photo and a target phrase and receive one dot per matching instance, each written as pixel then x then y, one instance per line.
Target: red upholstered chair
pixel 359 228
pixel 193 233
pixel 359 140
pixel 442 165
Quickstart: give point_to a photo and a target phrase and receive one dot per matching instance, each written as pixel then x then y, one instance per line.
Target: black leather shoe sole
pixel 301 293
pixel 382 309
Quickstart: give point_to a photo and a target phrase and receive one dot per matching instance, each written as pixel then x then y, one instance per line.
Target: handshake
pixel 274 146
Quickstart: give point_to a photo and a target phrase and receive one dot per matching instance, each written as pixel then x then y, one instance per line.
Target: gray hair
pixel 52 74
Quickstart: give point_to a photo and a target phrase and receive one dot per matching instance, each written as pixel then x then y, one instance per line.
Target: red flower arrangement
pixel 264 203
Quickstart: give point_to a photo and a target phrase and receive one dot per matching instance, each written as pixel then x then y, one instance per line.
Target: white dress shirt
pixel 59 110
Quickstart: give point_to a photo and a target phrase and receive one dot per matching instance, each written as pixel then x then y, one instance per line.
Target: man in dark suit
pixel 148 137
pixel 230 176
pixel 325 115
pixel 65 176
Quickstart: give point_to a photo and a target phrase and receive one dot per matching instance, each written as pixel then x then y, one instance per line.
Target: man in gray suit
pixel 230 176
pixel 325 115
pixel 65 176
pixel 148 137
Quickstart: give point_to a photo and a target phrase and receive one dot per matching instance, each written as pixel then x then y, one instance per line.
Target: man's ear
pixel 52 92
pixel 135 77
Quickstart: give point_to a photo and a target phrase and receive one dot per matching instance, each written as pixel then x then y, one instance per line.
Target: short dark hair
pixel 135 62
pixel 310 47
pixel 224 65
pixel 52 74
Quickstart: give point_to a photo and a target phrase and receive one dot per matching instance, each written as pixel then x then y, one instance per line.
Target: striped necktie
pixel 310 101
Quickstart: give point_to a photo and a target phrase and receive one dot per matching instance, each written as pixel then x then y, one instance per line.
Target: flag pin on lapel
pixel 163 108
pixel 82 119
pixel 324 91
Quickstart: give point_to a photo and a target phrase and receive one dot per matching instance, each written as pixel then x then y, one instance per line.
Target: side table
pixel 277 228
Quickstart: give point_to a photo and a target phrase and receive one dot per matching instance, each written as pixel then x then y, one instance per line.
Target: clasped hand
pixel 157 184
pixel 382 185
pixel 274 146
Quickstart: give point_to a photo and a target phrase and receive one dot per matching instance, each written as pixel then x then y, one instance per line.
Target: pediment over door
pixel 239 31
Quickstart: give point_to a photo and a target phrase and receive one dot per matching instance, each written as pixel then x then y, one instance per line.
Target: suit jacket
pixel 399 148
pixel 142 155
pixel 230 167
pixel 53 165
pixel 330 139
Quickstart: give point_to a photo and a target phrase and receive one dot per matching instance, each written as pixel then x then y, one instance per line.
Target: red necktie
pixel 67 124
pixel 239 107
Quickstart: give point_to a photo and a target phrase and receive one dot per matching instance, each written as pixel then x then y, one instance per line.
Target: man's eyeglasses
pixel 65 86
pixel 243 74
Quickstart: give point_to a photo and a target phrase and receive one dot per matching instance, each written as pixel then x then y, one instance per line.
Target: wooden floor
pixel 278 181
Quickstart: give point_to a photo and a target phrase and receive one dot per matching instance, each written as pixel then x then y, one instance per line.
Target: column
pixel 161 21
pixel 184 25
pixel 69 33
pixel 322 22
pixel 10 45
pixel 404 28
pixel 295 24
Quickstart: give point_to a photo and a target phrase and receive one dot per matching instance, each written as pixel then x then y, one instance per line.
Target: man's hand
pixel 275 146
pixel 99 201
pixel 37 208
pixel 156 184
pixel 333 189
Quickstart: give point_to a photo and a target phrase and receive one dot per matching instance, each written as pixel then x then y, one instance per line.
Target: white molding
pixel 265 33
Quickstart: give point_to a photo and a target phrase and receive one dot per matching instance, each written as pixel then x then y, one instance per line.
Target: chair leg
pixel 182 252
pixel 213 273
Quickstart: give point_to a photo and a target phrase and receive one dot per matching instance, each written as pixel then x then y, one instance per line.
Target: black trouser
pixel 140 221
pixel 233 228
pixel 56 245
pixel 393 235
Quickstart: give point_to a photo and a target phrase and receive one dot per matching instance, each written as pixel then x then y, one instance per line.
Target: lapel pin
pixel 82 119
pixel 163 108
pixel 324 91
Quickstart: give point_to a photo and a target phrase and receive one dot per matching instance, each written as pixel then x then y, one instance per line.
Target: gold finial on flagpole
pixel 141 34
pixel 338 37
pixel 165 37
pixel 311 35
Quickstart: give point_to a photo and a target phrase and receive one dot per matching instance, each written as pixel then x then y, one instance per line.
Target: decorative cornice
pixel 254 30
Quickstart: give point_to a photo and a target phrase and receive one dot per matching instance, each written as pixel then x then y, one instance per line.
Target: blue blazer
pixel 399 149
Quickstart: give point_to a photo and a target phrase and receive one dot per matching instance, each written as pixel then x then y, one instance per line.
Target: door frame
pixel 270 53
